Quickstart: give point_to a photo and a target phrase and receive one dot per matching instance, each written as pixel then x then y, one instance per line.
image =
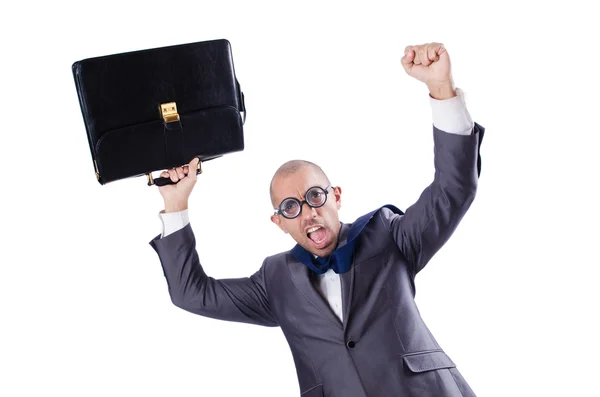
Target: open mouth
pixel 318 235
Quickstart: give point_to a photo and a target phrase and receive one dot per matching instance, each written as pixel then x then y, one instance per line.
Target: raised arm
pixel 239 299
pixel 430 221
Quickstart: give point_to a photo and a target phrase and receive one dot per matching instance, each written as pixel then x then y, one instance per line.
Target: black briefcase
pixel 159 108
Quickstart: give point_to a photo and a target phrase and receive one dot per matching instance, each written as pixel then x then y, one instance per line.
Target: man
pixel 344 295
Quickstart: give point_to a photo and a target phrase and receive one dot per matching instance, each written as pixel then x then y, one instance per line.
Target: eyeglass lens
pixel 315 197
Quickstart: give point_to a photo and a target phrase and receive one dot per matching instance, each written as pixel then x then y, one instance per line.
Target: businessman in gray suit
pixel 344 294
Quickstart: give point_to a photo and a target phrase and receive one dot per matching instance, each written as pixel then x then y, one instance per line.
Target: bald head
pixel 290 168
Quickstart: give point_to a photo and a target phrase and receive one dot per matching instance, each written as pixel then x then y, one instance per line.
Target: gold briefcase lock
pixel 169 112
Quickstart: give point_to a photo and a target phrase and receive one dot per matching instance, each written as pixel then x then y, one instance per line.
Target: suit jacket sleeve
pixel 430 221
pixel 239 299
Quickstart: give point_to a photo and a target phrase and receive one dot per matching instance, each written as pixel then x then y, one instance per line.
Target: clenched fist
pixel 430 64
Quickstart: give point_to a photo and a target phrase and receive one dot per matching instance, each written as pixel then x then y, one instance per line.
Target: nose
pixel 308 212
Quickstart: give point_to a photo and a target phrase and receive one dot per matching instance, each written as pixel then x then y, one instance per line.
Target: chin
pixel 325 251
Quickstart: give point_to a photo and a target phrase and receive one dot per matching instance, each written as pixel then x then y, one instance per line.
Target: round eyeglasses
pixel 315 197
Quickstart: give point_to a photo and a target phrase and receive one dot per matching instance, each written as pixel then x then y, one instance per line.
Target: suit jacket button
pixel 351 344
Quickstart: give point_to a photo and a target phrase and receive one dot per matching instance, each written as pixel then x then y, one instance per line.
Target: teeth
pixel 313 229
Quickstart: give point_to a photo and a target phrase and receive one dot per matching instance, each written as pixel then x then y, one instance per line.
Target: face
pixel 315 229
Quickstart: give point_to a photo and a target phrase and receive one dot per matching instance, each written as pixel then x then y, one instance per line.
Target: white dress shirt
pixel 449 115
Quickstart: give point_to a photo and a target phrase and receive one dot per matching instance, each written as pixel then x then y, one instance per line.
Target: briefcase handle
pixel 242 101
pixel 167 181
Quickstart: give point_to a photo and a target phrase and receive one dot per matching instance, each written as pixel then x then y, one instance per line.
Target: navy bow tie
pixel 341 258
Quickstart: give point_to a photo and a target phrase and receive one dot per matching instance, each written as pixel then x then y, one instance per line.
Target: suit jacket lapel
pixel 301 277
pixel 347 278
pixel 347 283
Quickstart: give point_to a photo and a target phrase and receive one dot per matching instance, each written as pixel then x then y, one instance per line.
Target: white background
pixel 512 297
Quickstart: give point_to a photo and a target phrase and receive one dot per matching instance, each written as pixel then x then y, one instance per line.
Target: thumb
pixel 192 168
pixel 407 59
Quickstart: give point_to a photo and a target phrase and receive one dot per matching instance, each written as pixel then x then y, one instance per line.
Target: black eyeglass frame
pixel 302 202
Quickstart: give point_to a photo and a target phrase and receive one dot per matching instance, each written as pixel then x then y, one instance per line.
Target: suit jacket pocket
pixel 427 361
pixel 316 391
pixel 428 374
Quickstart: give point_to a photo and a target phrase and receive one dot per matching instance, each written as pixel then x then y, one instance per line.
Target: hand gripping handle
pixel 167 181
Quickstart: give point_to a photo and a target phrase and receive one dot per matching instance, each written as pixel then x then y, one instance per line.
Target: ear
pixel 276 220
pixel 337 192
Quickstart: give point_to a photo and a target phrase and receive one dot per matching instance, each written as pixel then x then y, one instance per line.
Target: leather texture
pixel 383 346
pixel 120 97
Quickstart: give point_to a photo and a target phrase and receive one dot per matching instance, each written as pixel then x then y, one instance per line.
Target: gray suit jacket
pixel 383 348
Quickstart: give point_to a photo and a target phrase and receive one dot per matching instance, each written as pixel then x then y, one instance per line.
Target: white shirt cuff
pixel 173 221
pixel 451 115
